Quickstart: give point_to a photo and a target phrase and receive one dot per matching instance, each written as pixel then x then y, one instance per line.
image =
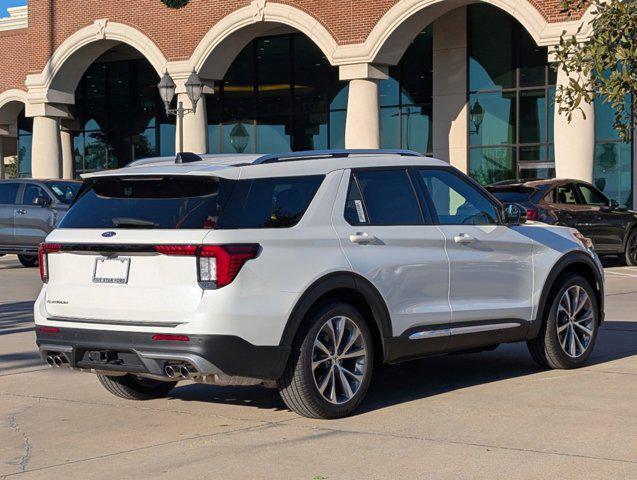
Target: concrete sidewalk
pixel 485 416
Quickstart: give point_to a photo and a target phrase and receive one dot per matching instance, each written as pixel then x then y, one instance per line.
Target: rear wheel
pixel 331 364
pixel 569 330
pixel 28 261
pixel 132 387
pixel 630 254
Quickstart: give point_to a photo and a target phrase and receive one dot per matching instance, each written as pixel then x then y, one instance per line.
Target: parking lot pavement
pixel 482 416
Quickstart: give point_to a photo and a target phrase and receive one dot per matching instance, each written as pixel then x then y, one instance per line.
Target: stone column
pixel 68 160
pixel 46 151
pixel 195 127
pixel 362 124
pixel 450 89
pixel 574 141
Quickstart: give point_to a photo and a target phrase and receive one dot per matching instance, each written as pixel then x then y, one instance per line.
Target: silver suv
pixel 29 211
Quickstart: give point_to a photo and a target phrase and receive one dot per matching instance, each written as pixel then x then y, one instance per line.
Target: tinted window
pixel 565 194
pixel 142 202
pixel 591 196
pixel 456 201
pixel 269 202
pixel 8 192
pixel 389 199
pixel 512 196
pixel 31 192
pixel 64 191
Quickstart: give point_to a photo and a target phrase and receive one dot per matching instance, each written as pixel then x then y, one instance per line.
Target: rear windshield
pixel 186 202
pixel 511 196
pixel 65 192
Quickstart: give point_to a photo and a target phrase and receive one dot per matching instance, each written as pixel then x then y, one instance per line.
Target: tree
pixel 603 66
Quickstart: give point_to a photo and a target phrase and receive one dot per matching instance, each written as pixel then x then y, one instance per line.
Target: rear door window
pixel 382 197
pixel 592 196
pixel 8 193
pixel 31 192
pixel 565 194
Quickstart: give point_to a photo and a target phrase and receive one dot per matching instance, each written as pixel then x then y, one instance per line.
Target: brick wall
pixel 176 32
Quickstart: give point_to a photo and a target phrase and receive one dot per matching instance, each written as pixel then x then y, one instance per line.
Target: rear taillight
pixel 217 265
pixel 531 214
pixel 43 258
pixel 166 337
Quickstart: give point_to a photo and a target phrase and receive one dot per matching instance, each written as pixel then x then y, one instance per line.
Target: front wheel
pixel 630 254
pixel 132 387
pixel 569 330
pixel 28 261
pixel 331 364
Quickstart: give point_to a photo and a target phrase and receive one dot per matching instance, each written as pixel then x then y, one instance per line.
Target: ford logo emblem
pixel 108 234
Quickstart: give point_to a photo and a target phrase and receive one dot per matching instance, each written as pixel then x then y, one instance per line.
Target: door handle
pixel 361 238
pixel 463 239
pixel 21 212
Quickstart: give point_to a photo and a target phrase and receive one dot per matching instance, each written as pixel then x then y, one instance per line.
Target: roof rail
pixel 321 154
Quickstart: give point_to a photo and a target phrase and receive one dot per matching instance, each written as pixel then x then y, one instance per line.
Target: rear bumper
pixel 135 352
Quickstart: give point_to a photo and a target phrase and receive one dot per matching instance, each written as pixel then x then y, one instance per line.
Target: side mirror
pixel 614 204
pixel 41 202
pixel 514 214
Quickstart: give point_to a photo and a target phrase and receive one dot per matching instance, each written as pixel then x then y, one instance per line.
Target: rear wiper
pixel 133 223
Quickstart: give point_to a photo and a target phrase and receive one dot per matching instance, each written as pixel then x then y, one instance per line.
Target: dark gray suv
pixel 29 210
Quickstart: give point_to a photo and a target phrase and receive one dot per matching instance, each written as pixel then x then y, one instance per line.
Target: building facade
pixel 466 81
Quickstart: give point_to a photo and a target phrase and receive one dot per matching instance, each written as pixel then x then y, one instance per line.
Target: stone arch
pixel 223 42
pixel 393 33
pixel 59 78
pixel 12 103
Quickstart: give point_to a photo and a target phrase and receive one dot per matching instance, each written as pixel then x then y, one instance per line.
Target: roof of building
pixel 261 166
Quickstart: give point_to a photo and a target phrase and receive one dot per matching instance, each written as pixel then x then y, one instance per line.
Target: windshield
pixel 65 192
pixel 189 202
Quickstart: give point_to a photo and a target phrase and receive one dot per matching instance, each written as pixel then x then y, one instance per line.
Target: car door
pixel 8 195
pixel 33 222
pixel 605 226
pixel 491 268
pixel 388 239
pixel 568 209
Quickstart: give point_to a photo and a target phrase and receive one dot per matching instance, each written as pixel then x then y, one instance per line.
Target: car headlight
pixel 587 242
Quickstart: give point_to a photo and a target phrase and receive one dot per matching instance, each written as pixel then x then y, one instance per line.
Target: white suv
pixel 303 271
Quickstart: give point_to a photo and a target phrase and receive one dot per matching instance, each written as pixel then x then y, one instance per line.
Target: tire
pixel 567 350
pixel 300 384
pixel 131 387
pixel 630 254
pixel 28 261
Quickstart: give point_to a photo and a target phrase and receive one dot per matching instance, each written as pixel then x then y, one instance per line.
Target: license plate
pixel 111 270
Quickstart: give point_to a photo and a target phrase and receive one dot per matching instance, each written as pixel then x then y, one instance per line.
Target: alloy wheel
pixel 575 321
pixel 339 359
pixel 632 249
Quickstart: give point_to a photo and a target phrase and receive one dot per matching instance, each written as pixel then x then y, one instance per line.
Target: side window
pixel 549 197
pixel 31 192
pixel 269 202
pixel 591 196
pixel 382 197
pixel 456 201
pixel 565 194
pixel 8 192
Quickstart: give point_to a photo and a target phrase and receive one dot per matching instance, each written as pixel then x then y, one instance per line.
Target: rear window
pixel 8 192
pixel 65 192
pixel 180 202
pixel 512 196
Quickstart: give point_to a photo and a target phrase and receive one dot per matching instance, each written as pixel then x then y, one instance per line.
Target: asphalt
pixel 491 415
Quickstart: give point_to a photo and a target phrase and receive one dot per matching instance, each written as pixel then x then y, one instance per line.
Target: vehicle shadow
pixel 418 379
pixel 16 317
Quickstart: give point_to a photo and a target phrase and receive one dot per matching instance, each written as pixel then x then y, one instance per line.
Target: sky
pixel 9 3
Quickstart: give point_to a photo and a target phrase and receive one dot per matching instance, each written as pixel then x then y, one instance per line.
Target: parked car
pixel 29 210
pixel 580 205
pixel 302 272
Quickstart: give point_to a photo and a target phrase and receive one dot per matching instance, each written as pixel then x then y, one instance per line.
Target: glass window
pixel 269 202
pixel 456 201
pixel 513 195
pixel 511 98
pixel 492 165
pixel 31 192
pixel 565 194
pixel 354 207
pixel 8 193
pixel 65 192
pixel 591 196
pixel 389 197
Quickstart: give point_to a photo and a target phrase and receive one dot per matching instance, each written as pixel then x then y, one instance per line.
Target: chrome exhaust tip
pixel 170 371
pixel 58 361
pixel 185 372
pixel 50 361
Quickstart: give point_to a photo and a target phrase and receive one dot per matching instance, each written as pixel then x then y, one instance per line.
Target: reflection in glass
pixel 533 119
pixel 613 171
pixel 498 124
pixel 490 165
